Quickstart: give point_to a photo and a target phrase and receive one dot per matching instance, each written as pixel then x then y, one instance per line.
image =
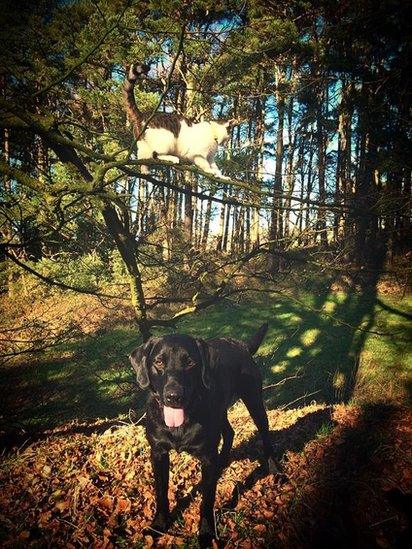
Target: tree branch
pixel 65 148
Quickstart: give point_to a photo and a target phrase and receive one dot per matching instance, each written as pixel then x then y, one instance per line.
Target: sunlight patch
pixel 294 351
pixel 329 306
pixel 289 316
pixel 266 348
pixel 279 368
pixel 309 336
pixel 339 380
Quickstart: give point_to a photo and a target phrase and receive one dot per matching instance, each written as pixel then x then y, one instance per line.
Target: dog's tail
pixel 256 340
pixel 134 114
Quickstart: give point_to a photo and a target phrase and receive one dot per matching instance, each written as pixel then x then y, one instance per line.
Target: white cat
pixel 171 137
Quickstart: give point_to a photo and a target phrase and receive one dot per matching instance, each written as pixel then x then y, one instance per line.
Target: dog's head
pixel 175 367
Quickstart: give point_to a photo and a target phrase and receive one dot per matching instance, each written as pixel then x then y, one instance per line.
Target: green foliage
pixel 87 271
pixel 4 275
pixel 117 267
pixel 324 430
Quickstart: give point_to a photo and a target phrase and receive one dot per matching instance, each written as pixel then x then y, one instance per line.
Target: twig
pixel 382 521
pixel 300 398
pixel 134 423
pixel 281 382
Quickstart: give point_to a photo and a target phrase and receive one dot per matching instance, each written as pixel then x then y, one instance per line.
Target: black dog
pixel 193 382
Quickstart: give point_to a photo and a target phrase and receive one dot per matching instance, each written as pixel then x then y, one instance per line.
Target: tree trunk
pixel 188 213
pixel 125 241
pixel 127 249
pixel 259 142
pixel 343 165
pixel 290 168
pixel 226 228
pixel 309 188
pixel 276 226
pixel 206 225
pixel 367 244
pixel 321 153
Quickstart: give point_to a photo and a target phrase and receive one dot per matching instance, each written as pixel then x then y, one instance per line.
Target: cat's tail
pixel 135 116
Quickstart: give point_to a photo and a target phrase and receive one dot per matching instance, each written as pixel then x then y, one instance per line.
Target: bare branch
pixel 281 382
pixel 306 395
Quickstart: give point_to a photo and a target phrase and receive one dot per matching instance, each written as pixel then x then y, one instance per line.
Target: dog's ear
pixel 138 359
pixel 209 361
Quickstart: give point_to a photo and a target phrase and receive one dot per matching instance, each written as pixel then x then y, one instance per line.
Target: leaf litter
pixel 346 479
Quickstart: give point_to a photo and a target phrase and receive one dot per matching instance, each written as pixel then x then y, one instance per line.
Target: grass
pixel 334 347
pixel 324 430
pixel 325 341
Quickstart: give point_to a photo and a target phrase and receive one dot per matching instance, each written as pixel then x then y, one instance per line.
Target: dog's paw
pixel 206 534
pixel 159 526
pixel 206 540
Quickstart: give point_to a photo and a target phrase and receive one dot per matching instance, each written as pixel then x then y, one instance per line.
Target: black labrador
pixel 192 384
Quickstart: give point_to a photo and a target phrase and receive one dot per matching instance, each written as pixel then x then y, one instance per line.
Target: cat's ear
pixel 231 123
pixel 138 69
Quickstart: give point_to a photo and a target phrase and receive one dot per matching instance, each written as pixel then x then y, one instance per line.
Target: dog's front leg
pixel 207 529
pixel 160 465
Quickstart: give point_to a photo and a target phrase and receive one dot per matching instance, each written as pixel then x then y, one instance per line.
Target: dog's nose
pixel 173 397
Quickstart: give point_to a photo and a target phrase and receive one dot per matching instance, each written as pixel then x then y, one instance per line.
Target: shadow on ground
pixel 358 495
pixel 315 339
pixel 92 380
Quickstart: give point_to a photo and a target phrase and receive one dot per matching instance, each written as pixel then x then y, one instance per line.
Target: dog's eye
pixel 190 363
pixel 159 364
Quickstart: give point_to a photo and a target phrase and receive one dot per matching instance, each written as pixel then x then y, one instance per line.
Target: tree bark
pixel 276 227
pixel 321 153
pixel 343 165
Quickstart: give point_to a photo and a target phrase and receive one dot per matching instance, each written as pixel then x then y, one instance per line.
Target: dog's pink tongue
pixel 174 417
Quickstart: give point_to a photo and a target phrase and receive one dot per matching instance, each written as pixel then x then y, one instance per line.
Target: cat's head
pixel 222 130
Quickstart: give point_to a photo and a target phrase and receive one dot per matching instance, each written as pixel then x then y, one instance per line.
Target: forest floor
pixel 75 470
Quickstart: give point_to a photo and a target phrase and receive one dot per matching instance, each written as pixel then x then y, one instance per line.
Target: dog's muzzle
pixel 173 411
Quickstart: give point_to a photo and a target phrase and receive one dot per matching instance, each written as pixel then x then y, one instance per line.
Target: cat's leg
pixel 144 152
pixel 208 165
pixel 202 163
pixel 168 158
pixel 217 172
